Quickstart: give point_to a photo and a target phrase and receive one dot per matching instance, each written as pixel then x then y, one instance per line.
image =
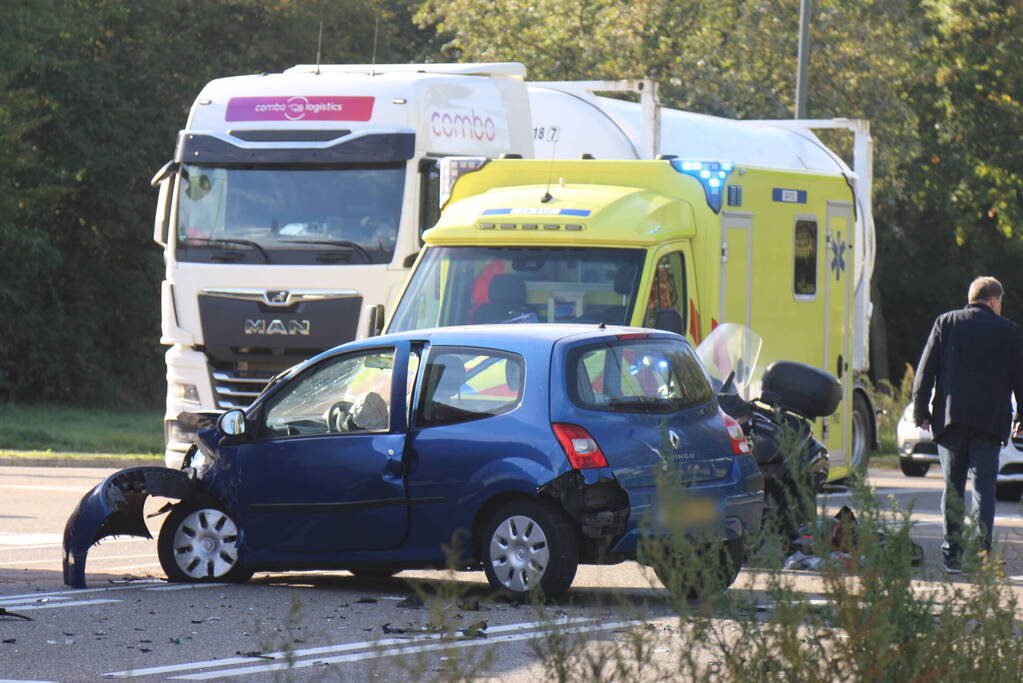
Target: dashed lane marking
pixel 328 649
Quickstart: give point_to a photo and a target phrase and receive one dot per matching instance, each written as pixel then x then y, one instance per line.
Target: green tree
pixel 734 58
pixel 92 94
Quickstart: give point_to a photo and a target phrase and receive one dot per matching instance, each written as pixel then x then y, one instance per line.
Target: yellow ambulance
pixel 681 244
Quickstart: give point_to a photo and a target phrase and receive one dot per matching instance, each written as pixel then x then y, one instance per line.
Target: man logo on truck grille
pixel 285 327
pixel 277 297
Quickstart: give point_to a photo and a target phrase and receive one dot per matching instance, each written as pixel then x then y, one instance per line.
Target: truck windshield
pixel 478 285
pixel 289 215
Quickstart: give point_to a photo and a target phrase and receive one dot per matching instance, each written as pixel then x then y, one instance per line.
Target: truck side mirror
pixel 376 320
pixel 161 223
pixel 669 320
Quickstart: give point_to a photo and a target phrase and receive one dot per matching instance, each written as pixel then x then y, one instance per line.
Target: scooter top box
pixel 807 390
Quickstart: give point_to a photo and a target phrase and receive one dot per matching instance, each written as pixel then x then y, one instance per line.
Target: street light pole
pixel 805 8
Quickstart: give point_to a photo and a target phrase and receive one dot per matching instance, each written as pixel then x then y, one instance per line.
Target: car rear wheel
pixel 529 547
pixel 199 542
pixel 719 566
pixel 1008 492
pixel 914 469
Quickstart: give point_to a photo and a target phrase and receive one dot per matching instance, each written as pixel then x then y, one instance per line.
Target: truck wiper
pixel 336 243
pixel 229 240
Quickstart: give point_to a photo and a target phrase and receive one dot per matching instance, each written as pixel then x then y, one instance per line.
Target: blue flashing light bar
pixel 711 174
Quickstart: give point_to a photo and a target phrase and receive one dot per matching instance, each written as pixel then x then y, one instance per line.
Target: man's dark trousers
pixel 967 451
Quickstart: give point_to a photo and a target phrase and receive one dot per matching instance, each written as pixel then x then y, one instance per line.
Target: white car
pixel 917 452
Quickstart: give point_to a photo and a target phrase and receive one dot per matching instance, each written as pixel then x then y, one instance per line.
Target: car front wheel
pixel 1008 492
pixel 914 469
pixel 529 547
pixel 199 542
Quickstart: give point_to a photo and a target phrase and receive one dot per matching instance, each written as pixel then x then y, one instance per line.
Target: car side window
pixel 350 393
pixel 463 383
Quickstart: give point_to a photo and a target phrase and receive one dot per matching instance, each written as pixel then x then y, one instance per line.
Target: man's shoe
pixel 952 567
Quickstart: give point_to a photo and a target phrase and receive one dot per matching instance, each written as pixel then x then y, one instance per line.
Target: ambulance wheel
pixel 862 434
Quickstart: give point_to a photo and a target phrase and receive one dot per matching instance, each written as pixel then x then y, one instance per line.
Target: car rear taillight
pixel 581 448
pixel 740 444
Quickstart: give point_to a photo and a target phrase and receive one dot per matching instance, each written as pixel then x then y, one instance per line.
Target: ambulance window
pixel 429 195
pixel 668 290
pixel 805 258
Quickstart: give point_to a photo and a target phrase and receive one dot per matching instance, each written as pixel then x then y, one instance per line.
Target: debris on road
pixel 4 614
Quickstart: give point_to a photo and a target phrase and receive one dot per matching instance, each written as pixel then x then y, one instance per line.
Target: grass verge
pixel 68 429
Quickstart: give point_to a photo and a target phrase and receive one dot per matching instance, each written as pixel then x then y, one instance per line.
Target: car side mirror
pixel 669 320
pixel 232 423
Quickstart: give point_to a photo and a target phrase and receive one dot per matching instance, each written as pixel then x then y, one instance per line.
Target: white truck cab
pixel 294 206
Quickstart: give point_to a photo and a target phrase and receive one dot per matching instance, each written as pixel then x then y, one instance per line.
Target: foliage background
pixel 93 92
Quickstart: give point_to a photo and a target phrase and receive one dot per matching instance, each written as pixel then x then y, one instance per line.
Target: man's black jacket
pixel 973 361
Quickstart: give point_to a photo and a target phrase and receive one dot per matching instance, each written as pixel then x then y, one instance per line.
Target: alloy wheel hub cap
pixel 519 553
pixel 206 544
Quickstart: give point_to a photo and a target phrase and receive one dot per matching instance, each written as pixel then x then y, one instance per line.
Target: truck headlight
pixel 187 392
pixel 175 432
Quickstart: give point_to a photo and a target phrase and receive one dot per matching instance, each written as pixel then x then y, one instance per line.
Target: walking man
pixel 973 361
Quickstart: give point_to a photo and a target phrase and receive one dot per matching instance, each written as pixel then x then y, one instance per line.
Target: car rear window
pixel 637 375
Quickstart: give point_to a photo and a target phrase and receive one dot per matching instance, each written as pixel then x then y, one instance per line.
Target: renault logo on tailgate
pixel 286 327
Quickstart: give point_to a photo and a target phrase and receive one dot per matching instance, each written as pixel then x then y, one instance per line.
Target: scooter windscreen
pixel 733 348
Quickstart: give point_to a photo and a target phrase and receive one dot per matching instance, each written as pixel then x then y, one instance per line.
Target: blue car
pixel 521 449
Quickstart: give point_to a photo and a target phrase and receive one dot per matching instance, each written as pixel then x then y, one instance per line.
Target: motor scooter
pixel 776 408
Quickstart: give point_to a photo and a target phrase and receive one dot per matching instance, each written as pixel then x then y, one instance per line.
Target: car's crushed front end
pixel 115 507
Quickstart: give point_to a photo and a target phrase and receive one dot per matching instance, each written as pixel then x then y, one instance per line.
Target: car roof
pixel 504 336
pixel 510 335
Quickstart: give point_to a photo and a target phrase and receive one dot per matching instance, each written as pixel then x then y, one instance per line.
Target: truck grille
pixel 238 389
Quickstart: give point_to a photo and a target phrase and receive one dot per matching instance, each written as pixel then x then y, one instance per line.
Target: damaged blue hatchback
pixel 523 450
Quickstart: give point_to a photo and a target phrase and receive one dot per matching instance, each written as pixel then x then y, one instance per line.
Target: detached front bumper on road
pixel 115 507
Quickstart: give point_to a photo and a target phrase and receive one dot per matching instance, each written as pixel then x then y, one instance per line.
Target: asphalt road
pixel 130 623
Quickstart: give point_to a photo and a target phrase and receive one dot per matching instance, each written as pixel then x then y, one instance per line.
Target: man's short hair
pixel 985 287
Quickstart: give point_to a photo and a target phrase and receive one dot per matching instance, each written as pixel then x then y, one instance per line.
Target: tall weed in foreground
pixel 865 613
pixel 891 399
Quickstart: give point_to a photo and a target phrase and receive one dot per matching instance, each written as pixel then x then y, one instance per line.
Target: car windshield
pixel 289 215
pixel 477 285
pixel 637 375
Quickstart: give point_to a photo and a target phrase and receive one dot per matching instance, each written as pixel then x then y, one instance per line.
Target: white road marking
pixel 408 649
pixel 146 584
pixel 343 647
pixel 124 568
pixel 24 487
pixel 92 560
pixel 185 586
pixel 71 603
pixel 9 538
pixel 10 602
